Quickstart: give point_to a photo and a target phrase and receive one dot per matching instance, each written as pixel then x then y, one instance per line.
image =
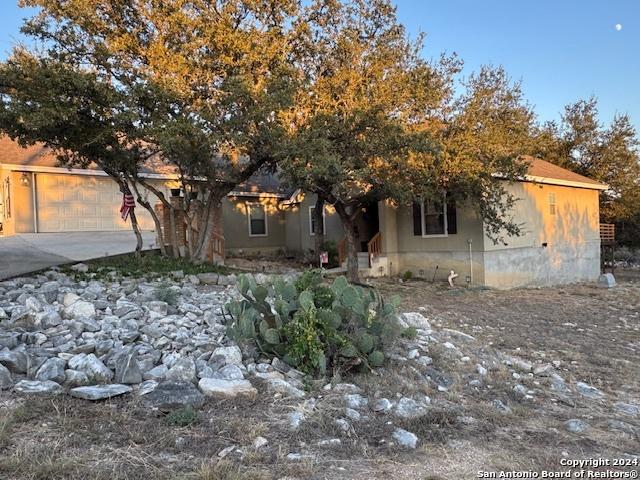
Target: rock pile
pixel 100 339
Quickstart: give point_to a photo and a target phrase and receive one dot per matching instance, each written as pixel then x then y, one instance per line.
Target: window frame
pixel 324 221
pixel 248 206
pixel 423 220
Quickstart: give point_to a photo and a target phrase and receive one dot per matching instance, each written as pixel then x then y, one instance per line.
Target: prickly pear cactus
pixel 311 325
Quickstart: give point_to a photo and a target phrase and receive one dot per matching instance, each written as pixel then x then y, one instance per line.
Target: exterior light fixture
pixel 24 179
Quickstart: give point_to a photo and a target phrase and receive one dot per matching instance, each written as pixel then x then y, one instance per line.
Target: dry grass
pixel 593 333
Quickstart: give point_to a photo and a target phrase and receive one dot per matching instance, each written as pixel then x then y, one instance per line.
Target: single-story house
pixel 558 211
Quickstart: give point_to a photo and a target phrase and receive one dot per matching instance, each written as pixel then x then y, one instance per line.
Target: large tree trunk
pixel 318 218
pixel 173 239
pixel 156 220
pixel 212 219
pixel 124 188
pixel 136 230
pixel 349 225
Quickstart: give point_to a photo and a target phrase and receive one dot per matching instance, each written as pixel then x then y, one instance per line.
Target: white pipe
pixel 470 263
pixel 34 202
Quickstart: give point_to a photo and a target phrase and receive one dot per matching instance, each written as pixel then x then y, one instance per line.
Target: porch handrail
pixel 607 233
pixel 374 247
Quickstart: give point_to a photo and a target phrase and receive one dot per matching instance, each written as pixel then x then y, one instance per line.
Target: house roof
pixel 33 156
pixel 545 172
pixel 39 158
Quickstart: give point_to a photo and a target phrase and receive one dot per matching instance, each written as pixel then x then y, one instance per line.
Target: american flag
pixel 128 202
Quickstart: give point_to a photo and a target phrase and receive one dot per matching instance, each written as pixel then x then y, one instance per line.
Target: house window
pixel 257 215
pixel 552 203
pixel 435 219
pixel 312 221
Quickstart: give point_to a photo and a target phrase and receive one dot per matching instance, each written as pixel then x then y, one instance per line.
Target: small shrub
pixel 182 417
pixel 312 326
pixel 410 333
pixel 408 275
pixel 165 293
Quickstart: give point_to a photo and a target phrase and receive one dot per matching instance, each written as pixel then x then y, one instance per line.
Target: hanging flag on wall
pixel 128 202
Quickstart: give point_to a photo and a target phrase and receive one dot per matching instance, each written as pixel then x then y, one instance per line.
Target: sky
pixel 561 50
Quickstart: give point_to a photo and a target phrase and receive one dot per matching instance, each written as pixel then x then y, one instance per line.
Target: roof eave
pixel 556 181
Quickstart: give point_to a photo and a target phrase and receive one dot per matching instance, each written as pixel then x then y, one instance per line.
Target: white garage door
pixel 78 203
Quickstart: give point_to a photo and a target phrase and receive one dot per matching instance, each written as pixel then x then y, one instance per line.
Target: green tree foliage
pixel 608 154
pixel 203 85
pixel 375 121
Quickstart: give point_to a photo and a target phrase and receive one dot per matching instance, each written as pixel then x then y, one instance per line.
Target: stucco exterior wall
pixel 555 248
pixel 236 226
pixel 298 234
pixel 22 204
pixel 421 255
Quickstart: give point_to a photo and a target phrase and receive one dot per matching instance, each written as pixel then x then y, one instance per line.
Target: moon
pixel 618 26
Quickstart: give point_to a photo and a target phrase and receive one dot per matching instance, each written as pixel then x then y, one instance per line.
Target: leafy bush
pixel 408 275
pixel 182 417
pixel 410 333
pixel 312 326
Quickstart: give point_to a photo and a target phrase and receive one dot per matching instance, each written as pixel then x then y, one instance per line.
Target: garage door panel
pixel 71 203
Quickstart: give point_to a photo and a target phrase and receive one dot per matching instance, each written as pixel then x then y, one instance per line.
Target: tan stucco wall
pixel 572 237
pixel 22 203
pixel 423 254
pixel 236 226
pixel 298 236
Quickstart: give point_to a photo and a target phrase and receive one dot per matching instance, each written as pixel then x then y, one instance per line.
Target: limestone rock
pixel 52 369
pixel 382 405
pixel 47 387
pixel 15 361
pixel 229 372
pixel 80 309
pixel 285 388
pixel 409 408
pixel 147 387
pixel 356 401
pixel 127 369
pixel 606 280
pixel 232 355
pixel 589 391
pixel 99 392
pixel 415 320
pixel 405 438
pixel 219 388
pixel 92 366
pixel 158 373
pixel 5 377
pixel 184 370
pixel 173 395
pixel 627 408
pixel 576 426
pixel 75 378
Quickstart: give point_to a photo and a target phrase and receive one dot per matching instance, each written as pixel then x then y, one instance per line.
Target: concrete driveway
pixel 28 252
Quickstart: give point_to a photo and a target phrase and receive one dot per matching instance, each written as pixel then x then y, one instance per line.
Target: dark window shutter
pixel 452 217
pixel 417 219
